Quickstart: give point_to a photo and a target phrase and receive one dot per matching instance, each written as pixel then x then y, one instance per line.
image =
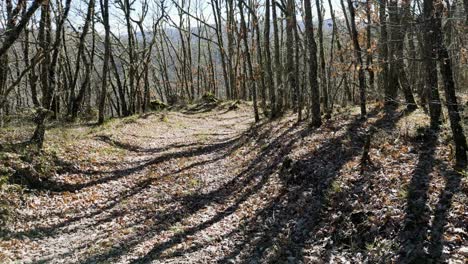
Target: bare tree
pixel 105 66
pixel 244 35
pixel 312 52
pixel 358 59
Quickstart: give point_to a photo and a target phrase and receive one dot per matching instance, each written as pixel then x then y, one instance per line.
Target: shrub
pixel 176 99
pixel 89 114
pixel 157 105
pixel 209 97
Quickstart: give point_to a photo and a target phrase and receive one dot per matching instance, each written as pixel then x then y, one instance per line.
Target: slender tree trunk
pixel 105 66
pixel 49 71
pixel 259 74
pixel 445 64
pixel 453 109
pixel 383 51
pixel 32 74
pixel 231 25
pixel 369 62
pixel 290 68
pixel 268 70
pixel 430 55
pixel 312 50
pixel 399 46
pixel 298 103
pixel 244 35
pixel 260 65
pixel 322 71
pixel 73 102
pixel 358 58
pixel 277 61
pixel 340 53
pixel 51 98
pixel 219 34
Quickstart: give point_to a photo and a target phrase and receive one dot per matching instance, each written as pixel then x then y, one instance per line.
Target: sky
pixel 79 8
pixel 204 10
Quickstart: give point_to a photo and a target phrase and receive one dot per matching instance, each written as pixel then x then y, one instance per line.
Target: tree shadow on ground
pixel 422 239
pixel 223 149
pixel 414 233
pixel 133 148
pixel 238 189
pixel 100 176
pixel 290 221
pixel 203 107
pixel 452 186
pixel 280 231
pixel 311 189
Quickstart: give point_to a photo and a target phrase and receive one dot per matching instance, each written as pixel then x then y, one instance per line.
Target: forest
pixel 233 131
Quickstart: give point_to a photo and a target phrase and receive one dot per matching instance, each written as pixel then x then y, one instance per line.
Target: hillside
pixel 207 185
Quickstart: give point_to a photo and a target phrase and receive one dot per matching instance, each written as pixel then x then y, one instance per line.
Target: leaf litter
pixel 214 187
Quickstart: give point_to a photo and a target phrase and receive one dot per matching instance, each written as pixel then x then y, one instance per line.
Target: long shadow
pixel 137 149
pixel 121 173
pixel 201 108
pixel 417 246
pixel 413 236
pixel 225 149
pixel 141 186
pixel 194 203
pixel 192 206
pixel 314 179
pixel 208 108
pixel 306 200
pixel 309 181
pixel 287 141
pixel 453 181
pixel 354 229
pixel 51 230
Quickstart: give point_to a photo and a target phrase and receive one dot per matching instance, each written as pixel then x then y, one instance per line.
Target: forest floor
pixel 207 185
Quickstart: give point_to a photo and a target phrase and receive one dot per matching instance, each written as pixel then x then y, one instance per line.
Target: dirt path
pixel 147 188
pixel 210 187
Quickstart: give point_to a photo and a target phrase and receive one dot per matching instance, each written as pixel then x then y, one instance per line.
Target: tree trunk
pixel 369 62
pixel 445 64
pixel 277 61
pixel 105 66
pixel 383 52
pixel 268 70
pixel 217 17
pixel 323 74
pixel 244 35
pixel 359 64
pixel 13 33
pixel 430 55
pixel 312 50
pixel 290 68
pixel 75 101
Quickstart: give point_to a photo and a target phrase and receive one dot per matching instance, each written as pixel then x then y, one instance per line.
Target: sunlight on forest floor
pixel 212 186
